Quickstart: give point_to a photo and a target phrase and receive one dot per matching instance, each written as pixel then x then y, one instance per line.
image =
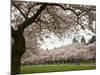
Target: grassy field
pixel 55 68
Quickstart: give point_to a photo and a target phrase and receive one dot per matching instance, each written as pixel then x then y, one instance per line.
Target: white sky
pixel 53 41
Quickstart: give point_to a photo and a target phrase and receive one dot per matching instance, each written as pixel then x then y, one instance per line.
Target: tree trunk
pixel 18 49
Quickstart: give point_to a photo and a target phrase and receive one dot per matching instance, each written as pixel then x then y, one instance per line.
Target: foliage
pixel 74 40
pixel 34 20
pixel 57 18
pixel 93 39
pixel 83 40
pixel 77 51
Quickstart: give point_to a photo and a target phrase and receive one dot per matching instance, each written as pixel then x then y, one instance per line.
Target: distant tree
pixel 74 40
pixel 83 40
pixel 93 39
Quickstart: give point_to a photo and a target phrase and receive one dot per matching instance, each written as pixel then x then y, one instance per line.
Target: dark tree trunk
pixel 18 49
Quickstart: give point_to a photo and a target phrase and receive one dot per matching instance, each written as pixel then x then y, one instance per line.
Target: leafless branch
pixel 19 10
pixel 54 4
pixel 29 21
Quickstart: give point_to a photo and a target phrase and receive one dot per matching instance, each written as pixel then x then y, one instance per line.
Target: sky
pixel 53 41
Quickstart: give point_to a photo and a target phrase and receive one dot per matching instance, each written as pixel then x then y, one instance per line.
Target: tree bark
pixel 18 49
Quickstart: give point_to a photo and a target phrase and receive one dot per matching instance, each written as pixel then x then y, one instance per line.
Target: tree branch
pixel 32 19
pixel 29 21
pixel 31 8
pixel 19 10
pixel 63 7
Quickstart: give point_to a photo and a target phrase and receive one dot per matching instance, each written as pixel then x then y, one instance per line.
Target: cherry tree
pixel 31 19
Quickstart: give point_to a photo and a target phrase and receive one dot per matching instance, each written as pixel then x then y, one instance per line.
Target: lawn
pixel 55 68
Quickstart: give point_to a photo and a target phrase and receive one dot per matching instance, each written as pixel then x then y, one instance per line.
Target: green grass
pixel 55 68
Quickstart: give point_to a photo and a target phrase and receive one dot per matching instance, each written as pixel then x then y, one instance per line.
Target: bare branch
pixel 19 10
pixel 63 7
pixel 32 19
pixel 31 8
